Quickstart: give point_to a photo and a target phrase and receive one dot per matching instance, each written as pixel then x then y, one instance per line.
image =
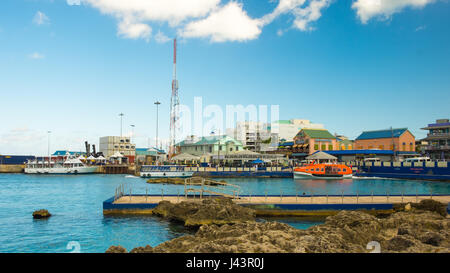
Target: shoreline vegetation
pixel 224 228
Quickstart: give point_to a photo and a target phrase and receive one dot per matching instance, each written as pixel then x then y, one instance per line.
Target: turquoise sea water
pixel 76 205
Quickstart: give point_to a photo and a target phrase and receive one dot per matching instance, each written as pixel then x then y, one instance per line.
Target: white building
pixel 260 137
pixel 254 136
pixel 109 145
pixel 288 129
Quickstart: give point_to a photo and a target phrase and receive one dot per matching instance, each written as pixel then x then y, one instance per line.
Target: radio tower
pixel 174 103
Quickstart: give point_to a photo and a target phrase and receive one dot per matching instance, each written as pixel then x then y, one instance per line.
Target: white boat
pixel 69 166
pixel 155 171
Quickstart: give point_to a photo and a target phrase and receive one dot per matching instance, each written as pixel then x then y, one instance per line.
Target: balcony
pixel 439 135
pixel 437 147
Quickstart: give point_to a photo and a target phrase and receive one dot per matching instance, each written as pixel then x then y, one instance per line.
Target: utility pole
pixel 174 104
pixel 157 103
pixel 121 116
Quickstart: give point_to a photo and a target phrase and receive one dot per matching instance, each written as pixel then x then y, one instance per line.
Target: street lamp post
pixel 157 103
pixel 121 116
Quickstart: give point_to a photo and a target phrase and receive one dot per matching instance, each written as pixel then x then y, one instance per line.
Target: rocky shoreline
pixel 215 211
pixel 413 228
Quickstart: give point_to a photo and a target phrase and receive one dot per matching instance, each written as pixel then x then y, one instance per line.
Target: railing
pixel 210 187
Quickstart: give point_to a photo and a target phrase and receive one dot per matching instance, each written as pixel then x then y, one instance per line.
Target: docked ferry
pixel 69 166
pixel 323 171
pixel 156 171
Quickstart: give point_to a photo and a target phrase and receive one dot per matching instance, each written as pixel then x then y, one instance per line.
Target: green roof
pixel 318 133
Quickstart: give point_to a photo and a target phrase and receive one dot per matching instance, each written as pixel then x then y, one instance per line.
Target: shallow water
pixel 76 205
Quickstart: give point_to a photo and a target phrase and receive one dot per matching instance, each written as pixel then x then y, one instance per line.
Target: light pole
pixel 157 103
pixel 121 116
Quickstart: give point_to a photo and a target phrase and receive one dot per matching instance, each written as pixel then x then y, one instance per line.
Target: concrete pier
pixel 305 205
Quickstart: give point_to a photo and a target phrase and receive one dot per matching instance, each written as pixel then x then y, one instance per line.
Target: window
pixel 330 147
pixel 316 146
pixel 317 169
pixel 381 147
pixel 231 149
pixel 324 147
pixel 411 147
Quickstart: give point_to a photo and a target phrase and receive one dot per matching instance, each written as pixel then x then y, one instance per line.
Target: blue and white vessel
pixel 156 171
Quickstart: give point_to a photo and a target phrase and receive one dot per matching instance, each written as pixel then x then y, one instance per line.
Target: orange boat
pixel 323 171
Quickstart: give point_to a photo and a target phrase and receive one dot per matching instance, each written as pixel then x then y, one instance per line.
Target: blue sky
pixel 72 69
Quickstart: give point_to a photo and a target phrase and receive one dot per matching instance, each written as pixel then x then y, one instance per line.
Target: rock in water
pixel 217 211
pixel 41 214
pixel 116 249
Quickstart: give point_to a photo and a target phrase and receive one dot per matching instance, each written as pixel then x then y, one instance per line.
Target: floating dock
pixel 290 205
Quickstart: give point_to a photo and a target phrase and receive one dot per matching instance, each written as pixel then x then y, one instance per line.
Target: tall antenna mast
pixel 174 103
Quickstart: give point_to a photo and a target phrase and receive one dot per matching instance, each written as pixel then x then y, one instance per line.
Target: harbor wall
pixel 11 168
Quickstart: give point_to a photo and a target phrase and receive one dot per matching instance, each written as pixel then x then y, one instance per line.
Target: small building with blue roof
pixel 397 140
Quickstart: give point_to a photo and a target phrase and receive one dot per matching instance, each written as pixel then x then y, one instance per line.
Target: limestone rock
pixel 116 249
pixel 41 214
pixel 217 211
pixel 348 231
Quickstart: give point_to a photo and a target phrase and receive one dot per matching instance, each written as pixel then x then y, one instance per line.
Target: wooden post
pixel 431 194
pixel 372 196
pixel 162 194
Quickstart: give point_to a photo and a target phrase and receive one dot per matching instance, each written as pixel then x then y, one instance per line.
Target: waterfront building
pixel 202 146
pixel 149 156
pixel 438 139
pixel 111 145
pixel 309 141
pixel 400 140
pixel 254 136
pixel 288 129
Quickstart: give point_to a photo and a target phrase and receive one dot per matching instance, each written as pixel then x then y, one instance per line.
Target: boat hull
pixel 61 170
pixel 166 174
pixel 304 175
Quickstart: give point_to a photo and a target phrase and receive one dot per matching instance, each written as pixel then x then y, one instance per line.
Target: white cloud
pixel 40 18
pixel 73 2
pixel 311 13
pixel 171 11
pixel 419 28
pixel 384 9
pixel 36 56
pixel 228 23
pixel 305 12
pixel 133 30
pixel 226 20
pixel 161 37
